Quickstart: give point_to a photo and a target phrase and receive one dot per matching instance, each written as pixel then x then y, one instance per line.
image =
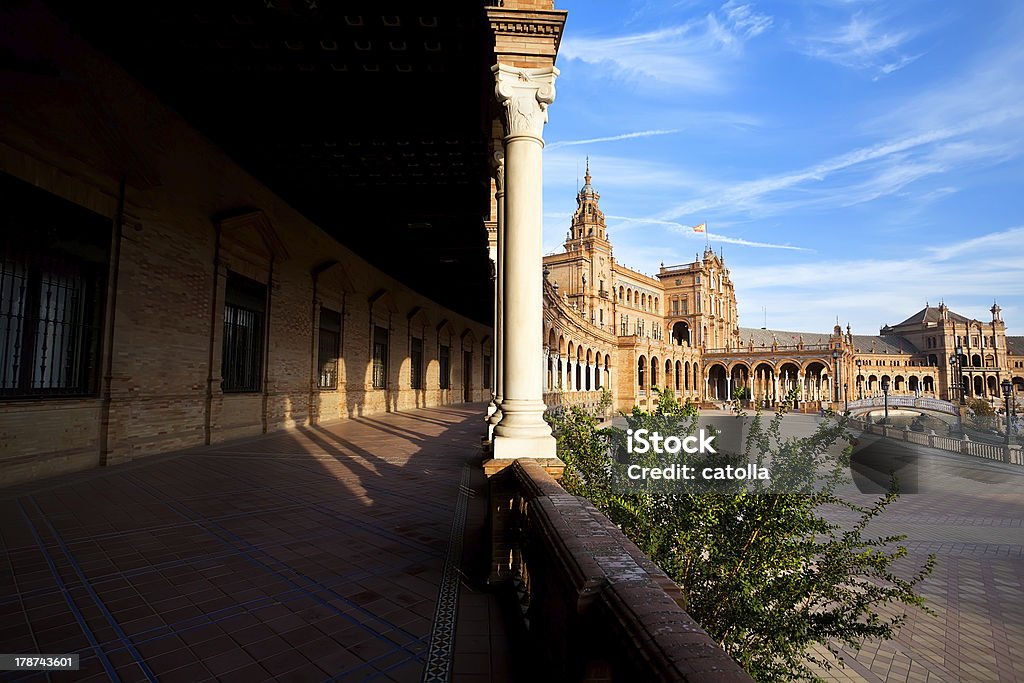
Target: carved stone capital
pixel 498 161
pixel 525 95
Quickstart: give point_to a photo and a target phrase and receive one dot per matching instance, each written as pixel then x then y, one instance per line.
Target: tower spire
pixel 587 174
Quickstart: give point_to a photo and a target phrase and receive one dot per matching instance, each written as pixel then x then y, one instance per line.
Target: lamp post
pixel 885 393
pixel 860 384
pixel 835 382
pixel 1007 386
pixel 846 397
pixel 960 373
pixel 952 377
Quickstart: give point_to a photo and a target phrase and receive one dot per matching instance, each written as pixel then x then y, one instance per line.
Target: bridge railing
pixel 905 401
pixel 1011 454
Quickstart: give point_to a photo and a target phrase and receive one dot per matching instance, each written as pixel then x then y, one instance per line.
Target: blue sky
pixel 851 158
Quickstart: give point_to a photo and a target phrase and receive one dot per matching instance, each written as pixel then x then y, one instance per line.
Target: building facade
pixel 608 327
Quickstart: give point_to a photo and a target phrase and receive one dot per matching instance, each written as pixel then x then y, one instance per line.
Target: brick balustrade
pixel 597 608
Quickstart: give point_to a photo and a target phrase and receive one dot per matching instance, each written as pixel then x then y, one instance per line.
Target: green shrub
pixel 767 575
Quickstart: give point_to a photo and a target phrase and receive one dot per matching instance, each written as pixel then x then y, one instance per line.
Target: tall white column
pixel 544 370
pixel 493 405
pixel 524 94
pixel 499 296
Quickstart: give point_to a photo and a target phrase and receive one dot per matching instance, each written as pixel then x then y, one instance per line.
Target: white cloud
pixel 886 167
pixel 888 290
pixel 863 43
pixel 694 56
pixel 745 21
pixel 611 138
pixel 687 231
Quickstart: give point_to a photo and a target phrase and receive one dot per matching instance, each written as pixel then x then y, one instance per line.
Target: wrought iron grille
pixel 380 357
pixel 330 347
pixel 49 324
pixel 445 362
pixel 416 358
pixel 242 361
pixel 54 257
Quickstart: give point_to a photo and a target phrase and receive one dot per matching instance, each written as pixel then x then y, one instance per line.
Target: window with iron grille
pixel 380 357
pixel 487 372
pixel 329 349
pixel 245 304
pixel 445 361
pixel 53 273
pixel 416 358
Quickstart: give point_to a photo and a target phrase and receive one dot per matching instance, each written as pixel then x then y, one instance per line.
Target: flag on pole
pixel 700 228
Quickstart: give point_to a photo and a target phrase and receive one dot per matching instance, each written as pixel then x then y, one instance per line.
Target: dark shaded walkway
pixel 317 554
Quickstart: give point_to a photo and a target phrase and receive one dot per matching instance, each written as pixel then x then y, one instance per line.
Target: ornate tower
pixel 584 272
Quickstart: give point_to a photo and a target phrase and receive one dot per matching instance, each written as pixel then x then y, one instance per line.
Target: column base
pixel 492 421
pixel 510 447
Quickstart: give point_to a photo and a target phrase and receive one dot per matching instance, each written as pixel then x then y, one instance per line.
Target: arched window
pixel 641 367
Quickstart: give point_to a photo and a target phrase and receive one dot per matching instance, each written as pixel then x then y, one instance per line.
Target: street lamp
pixel 860 383
pixel 960 374
pixel 953 376
pixel 955 369
pixel 846 397
pixel 1007 386
pixel 835 383
pixel 885 392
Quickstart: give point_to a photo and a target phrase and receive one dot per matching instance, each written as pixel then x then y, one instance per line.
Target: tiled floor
pixel 970 514
pixel 310 555
pixel 345 552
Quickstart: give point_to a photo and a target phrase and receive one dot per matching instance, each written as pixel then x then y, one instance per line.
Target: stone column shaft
pixel 499 293
pixel 524 94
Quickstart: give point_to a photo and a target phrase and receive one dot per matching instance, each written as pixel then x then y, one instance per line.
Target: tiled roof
pixel 863 343
pixel 1015 345
pixel 930 314
pixel 882 343
pixel 763 337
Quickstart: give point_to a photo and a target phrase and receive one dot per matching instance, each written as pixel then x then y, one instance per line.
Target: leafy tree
pixel 764 572
pixel 982 414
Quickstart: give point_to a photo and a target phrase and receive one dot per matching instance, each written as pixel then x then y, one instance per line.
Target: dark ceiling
pixel 370 118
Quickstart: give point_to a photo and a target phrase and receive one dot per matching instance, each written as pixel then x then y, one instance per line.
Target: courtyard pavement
pixel 356 551
pixel 344 552
pixel 970 515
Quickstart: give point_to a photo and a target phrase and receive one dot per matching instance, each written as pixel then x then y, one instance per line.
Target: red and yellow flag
pixel 700 228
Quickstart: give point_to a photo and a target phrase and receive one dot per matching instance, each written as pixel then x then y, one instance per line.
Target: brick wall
pixel 167 324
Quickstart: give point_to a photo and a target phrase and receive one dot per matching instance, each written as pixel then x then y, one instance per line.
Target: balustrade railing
pixel 1009 454
pixel 907 401
pixel 559 401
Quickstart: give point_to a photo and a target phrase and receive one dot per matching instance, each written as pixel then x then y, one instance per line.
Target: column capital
pixel 498 162
pixel 525 94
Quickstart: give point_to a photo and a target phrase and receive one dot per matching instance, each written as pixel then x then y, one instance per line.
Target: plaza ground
pixel 356 551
